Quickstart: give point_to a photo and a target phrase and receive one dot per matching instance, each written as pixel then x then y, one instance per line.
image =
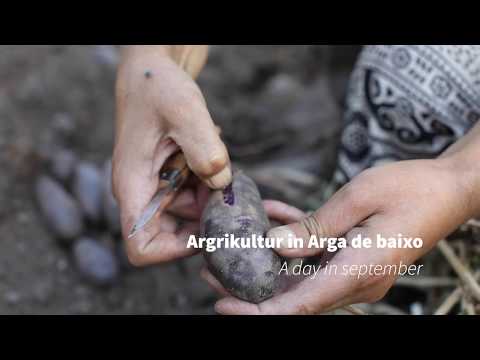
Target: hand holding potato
pixel 159 110
pixel 420 198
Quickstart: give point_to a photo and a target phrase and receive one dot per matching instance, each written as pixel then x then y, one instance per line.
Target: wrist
pixel 464 168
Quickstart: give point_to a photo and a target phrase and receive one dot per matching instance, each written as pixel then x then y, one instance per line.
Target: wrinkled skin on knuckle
pixel 313 225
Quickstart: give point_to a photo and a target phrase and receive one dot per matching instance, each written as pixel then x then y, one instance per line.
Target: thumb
pixel 205 152
pixel 344 211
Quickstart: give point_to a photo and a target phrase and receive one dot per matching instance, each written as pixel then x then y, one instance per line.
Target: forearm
pixel 464 159
pixel 190 58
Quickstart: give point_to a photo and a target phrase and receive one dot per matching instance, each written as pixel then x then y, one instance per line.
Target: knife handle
pixel 175 170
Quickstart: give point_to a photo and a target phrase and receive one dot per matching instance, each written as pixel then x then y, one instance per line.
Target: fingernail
pixel 220 180
pixel 283 235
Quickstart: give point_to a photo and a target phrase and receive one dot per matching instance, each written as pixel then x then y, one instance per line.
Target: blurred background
pixel 280 109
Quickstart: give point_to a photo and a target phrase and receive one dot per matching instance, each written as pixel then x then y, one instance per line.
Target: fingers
pixel 135 179
pixel 281 212
pixel 346 209
pixel 310 296
pixel 202 196
pixel 153 246
pixel 338 283
pixel 131 200
pixel 213 282
pixel 167 223
pixel 159 108
pixel 164 149
pixel 159 241
pixel 185 205
pixel 194 131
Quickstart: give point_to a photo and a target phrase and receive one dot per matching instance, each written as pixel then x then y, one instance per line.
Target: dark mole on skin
pixel 148 74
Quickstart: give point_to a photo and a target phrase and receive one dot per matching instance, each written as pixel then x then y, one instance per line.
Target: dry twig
pixel 462 271
pixel 474 223
pixel 449 302
pixel 354 310
pixel 384 308
pixel 468 306
pixel 453 298
pixel 422 282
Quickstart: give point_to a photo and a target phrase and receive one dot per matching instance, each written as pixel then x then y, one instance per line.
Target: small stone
pixel 96 262
pixel 63 164
pixel 110 206
pixel 83 306
pixel 63 124
pixel 81 291
pixel 107 239
pixel 179 300
pixel 42 292
pixel 12 297
pixel 60 210
pixel 106 54
pixel 88 189
pixel 416 308
pixel 21 247
pixel 284 86
pixel 61 265
pixel 114 298
pixel 23 218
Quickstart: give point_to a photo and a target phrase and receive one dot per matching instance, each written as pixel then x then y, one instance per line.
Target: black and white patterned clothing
pixel 408 102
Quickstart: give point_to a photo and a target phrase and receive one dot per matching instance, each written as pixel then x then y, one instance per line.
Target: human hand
pixel 160 109
pixel 425 199
pixel 278 213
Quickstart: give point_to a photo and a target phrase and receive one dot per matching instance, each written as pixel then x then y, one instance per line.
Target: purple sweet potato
pixel 59 208
pixel 63 165
pixel 250 274
pixel 95 261
pixel 88 189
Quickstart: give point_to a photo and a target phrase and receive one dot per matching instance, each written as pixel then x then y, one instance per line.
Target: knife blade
pixel 172 176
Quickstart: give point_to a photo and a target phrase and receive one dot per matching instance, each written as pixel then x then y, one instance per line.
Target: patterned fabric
pixel 408 102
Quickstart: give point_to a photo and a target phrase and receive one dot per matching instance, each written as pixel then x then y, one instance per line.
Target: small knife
pixel 172 176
